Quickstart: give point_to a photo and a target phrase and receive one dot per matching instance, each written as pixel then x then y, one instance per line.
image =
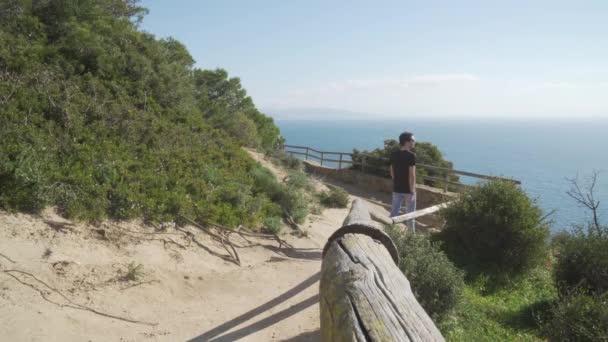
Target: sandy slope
pixel 193 292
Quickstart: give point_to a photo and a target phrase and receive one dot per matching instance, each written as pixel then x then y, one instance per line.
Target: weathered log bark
pixel 363 294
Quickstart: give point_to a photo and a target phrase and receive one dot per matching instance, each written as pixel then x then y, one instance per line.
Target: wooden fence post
pixel 340 162
pixel 445 186
pixel 363 296
pixel 306 153
pixel 363 163
pixel 322 156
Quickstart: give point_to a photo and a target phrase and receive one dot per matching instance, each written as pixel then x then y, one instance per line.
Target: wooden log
pixel 363 294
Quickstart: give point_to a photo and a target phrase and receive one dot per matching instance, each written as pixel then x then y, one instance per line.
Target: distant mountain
pixel 316 114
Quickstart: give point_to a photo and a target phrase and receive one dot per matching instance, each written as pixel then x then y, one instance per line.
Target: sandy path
pixel 195 295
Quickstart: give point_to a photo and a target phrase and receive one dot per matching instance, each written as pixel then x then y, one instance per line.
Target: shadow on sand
pixel 216 334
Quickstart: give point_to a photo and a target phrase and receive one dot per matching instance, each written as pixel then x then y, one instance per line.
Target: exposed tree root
pixel 222 234
pixel 70 303
pixel 207 249
pixel 140 283
pixel 244 232
pixel 293 223
pixel 220 237
pixel 165 241
pixel 7 258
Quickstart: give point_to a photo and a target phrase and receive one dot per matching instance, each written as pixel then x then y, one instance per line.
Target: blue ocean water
pixel 541 154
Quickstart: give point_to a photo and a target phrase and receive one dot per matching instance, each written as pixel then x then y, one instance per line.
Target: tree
pixel 586 197
pixel 222 98
pixel 377 161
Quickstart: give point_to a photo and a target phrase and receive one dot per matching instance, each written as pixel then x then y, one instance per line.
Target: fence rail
pixel 345 159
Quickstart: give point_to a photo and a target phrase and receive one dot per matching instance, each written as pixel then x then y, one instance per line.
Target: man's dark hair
pixel 405 137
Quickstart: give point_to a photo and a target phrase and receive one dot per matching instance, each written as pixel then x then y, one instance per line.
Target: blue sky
pixel 449 59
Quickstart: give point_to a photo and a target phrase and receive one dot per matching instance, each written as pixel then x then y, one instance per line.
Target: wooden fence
pixel 363 296
pixel 345 159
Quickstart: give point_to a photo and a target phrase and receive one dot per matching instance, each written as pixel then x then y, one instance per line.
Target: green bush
pixel 298 180
pixel 101 119
pixel 578 317
pixel 495 228
pixel 582 260
pixel 273 224
pixel 435 281
pixel 265 182
pixel 290 197
pixel 334 198
pixel 294 203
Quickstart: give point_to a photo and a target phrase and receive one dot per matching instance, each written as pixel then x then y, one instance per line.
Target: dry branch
pixel 243 232
pixel 222 235
pixel 164 241
pixel 207 249
pixel 586 197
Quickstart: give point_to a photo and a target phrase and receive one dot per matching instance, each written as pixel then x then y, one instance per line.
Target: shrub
pixel 287 160
pixel 289 197
pixel 298 180
pixel 334 198
pixel 294 203
pixel 582 260
pixel 265 182
pixel 273 224
pixel 134 272
pixel 495 228
pixel 578 317
pixel 436 282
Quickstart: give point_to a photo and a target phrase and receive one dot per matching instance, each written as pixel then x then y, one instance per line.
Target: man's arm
pixel 412 178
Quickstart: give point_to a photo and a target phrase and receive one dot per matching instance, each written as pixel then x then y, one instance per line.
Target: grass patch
pixel 508 314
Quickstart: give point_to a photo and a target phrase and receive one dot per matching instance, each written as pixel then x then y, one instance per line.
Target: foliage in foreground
pixel 582 260
pixel 495 228
pixel 581 277
pixel 435 281
pixel 578 317
pixel 509 314
pixel 102 120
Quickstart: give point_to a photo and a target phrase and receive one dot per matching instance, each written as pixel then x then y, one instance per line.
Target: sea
pixel 543 155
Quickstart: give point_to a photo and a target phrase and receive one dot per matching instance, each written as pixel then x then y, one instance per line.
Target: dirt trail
pixel 191 293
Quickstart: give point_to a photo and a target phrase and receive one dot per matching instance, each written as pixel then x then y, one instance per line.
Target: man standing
pixel 403 173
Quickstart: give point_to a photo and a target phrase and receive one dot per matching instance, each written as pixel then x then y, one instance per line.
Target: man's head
pixel 406 140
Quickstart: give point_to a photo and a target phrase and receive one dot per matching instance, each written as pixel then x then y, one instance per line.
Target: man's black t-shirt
pixel 401 162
